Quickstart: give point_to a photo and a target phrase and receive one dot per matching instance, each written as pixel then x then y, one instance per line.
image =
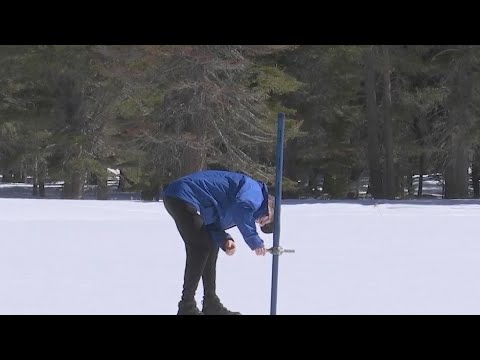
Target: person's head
pixel 266 222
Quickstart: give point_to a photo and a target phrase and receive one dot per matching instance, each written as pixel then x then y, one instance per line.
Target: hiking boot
pixel 188 308
pixel 213 306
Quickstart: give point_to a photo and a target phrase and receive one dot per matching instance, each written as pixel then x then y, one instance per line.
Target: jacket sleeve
pixel 243 217
pixel 218 235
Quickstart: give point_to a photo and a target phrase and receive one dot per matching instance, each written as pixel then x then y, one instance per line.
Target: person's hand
pixel 261 251
pixel 229 247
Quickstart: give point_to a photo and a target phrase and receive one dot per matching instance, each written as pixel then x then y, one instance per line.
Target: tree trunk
pixel 475 179
pixel 67 189
pixel 102 188
pixel 410 185
pixel 456 174
pixel 78 184
pixel 376 190
pixel 421 170
pixel 41 188
pixel 152 192
pixel 23 172
pixel 41 179
pixel 193 159
pixel 328 185
pixel 387 125
pixel 74 185
pixel 17 176
pixel 35 178
pixel 459 123
pixel 398 182
pixel 121 181
pixel 475 173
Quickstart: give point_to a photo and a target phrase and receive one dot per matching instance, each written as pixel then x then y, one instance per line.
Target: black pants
pixel 201 251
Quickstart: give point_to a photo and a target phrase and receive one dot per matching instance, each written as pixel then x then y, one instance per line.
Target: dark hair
pixel 268 228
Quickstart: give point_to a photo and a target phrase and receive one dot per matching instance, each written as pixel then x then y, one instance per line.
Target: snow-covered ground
pixel 352 257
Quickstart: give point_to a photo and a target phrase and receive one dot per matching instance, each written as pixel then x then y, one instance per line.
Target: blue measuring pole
pixel 278 202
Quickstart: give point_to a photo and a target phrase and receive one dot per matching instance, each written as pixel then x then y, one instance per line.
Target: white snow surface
pixel 351 257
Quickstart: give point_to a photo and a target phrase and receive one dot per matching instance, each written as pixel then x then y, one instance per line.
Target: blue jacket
pixel 224 199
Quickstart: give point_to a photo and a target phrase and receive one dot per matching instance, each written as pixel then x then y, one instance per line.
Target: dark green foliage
pixel 157 112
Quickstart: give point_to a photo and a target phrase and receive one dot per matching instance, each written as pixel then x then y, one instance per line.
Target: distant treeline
pixel 388 112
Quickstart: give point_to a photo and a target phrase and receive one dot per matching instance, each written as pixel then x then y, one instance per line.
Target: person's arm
pixel 219 236
pixel 243 217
